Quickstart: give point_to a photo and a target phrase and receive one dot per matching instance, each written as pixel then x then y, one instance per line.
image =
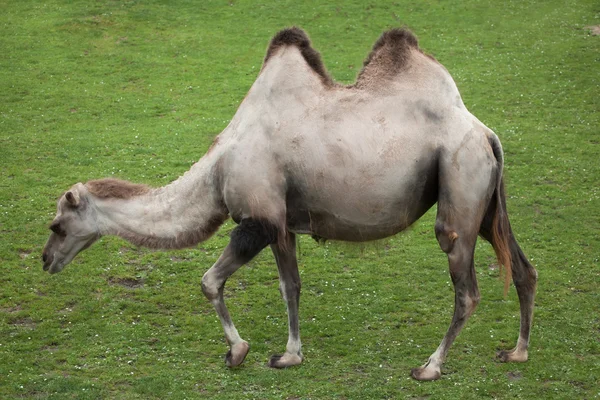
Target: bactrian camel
pixel 306 155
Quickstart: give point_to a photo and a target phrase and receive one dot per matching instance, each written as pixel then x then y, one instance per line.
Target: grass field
pixel 138 90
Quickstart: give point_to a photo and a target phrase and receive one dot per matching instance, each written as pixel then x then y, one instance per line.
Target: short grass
pixel 138 90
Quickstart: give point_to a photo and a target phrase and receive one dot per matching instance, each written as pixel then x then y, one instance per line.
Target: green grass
pixel 138 90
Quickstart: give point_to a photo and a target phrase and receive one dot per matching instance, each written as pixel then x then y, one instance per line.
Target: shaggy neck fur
pixel 179 215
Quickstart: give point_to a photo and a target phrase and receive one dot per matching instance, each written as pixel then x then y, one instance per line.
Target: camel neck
pixel 181 214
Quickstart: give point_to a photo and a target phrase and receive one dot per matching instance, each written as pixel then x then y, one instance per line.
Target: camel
pixel 306 155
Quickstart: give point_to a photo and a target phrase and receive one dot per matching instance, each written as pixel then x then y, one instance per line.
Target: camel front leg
pixel 213 283
pixel 289 285
pixel 247 240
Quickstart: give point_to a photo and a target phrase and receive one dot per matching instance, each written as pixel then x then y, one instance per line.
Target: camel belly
pixel 329 226
pixel 344 207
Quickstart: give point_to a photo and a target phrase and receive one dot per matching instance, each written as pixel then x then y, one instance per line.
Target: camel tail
pixel 495 227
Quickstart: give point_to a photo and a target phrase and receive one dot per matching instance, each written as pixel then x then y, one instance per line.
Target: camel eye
pixel 55 227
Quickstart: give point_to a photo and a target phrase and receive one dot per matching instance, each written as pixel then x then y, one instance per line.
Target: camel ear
pixel 72 198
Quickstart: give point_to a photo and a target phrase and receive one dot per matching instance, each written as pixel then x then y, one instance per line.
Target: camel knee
pixel 466 305
pixel 529 280
pixel 289 290
pixel 471 302
pixel 524 275
pixel 210 286
pixel 531 277
pixel 467 295
pixel 446 236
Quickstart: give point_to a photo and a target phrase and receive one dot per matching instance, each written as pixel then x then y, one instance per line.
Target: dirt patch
pixel 50 349
pixel 24 322
pixel 514 376
pixel 129 283
pixel 594 30
pixel 11 310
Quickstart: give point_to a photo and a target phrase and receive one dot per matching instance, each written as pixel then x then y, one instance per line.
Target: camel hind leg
pixel 466 185
pixel 525 279
pixel 457 240
pixel 496 229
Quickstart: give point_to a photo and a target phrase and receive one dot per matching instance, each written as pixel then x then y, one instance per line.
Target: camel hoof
pixel 427 373
pixel 285 360
pixel 512 356
pixel 236 354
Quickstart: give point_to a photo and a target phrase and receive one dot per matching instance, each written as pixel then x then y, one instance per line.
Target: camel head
pixel 73 229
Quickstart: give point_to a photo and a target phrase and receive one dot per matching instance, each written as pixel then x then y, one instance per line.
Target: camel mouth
pixel 52 265
pixel 48 261
pixel 56 261
pixel 54 268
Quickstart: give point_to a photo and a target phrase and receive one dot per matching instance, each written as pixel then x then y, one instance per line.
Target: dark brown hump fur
pixel 390 54
pixel 115 188
pixel 297 37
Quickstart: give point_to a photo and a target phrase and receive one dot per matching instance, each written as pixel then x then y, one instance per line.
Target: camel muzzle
pixel 47 259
